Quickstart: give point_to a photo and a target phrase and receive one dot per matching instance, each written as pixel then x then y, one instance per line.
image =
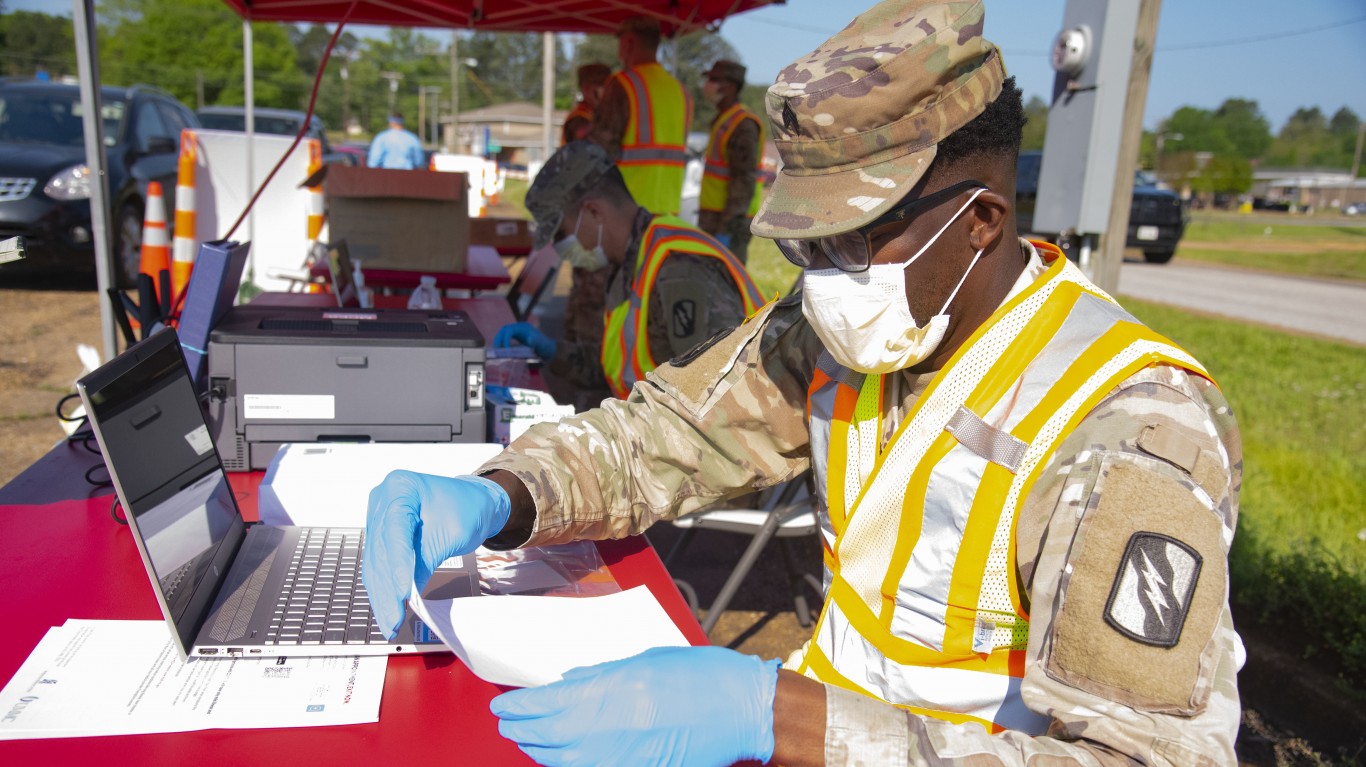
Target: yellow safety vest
pixel 653 149
pixel 580 110
pixel 626 356
pixel 922 606
pixel 716 171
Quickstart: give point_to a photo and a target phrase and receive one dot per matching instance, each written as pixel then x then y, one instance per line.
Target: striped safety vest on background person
pixel 922 606
pixel 716 171
pixel 580 110
pixel 653 149
pixel 626 356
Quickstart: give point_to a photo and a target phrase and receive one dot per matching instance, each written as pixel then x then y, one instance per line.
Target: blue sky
pixel 1283 54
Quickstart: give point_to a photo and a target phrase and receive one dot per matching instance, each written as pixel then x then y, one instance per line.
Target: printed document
pixel 524 641
pixel 126 677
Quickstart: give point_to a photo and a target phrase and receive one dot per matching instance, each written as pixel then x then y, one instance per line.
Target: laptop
pixel 226 587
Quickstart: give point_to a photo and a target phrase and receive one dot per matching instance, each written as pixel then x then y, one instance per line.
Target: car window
pixel 46 118
pixel 173 119
pixel 148 125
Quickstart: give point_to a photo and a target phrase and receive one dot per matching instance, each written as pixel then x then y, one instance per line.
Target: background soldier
pixel 643 119
pixel 730 178
pixel 592 78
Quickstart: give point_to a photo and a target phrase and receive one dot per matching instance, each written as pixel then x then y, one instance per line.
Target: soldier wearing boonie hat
pixel 668 286
pixel 730 190
pixel 1026 496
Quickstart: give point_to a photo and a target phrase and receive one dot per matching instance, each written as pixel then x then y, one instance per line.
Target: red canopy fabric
pixel 592 16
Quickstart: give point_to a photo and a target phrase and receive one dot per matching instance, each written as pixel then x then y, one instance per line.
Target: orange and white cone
pixel 183 251
pixel 156 246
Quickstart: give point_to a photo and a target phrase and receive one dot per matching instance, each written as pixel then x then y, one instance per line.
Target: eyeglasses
pixel 852 251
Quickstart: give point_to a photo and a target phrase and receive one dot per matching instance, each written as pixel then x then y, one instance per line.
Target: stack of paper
pixel 124 677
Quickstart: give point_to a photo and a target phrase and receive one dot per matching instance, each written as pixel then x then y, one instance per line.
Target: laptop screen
pixel 168 475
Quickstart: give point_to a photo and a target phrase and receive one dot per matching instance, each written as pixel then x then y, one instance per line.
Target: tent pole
pixel 249 86
pixel 547 92
pixel 88 67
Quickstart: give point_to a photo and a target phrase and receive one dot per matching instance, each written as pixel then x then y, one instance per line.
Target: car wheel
pixel 128 245
pixel 1158 256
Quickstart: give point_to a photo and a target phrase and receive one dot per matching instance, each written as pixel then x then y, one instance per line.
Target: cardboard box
pixel 513 411
pixel 415 220
pixel 509 236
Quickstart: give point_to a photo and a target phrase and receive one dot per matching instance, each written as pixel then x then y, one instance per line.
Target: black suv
pixel 1157 219
pixel 45 183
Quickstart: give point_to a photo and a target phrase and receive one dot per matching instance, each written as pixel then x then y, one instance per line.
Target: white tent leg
pixel 88 66
pixel 249 86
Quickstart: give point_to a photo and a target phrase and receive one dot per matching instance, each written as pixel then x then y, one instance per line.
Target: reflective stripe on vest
pixel 626 356
pixel 653 148
pixel 922 608
pixel 716 171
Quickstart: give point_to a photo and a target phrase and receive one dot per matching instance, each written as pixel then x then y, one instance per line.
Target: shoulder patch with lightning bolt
pixel 1152 589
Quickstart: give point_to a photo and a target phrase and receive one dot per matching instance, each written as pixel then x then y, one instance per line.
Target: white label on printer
pixel 290 406
pixel 199 440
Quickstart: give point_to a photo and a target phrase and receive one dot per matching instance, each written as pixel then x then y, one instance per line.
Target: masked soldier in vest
pixel 592 79
pixel 730 175
pixel 1027 496
pixel 643 119
pixel 670 286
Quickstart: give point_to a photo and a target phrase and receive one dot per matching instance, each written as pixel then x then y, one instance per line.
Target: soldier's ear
pixel 988 219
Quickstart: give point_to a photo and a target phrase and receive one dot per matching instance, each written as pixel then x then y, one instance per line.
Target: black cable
pixel 121 520
pixel 97 482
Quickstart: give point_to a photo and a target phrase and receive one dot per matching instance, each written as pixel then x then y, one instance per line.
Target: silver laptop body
pixel 226 587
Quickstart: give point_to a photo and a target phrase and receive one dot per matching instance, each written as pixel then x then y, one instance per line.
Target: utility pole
pixel 1106 273
pixel 1356 160
pixel 393 78
pixel 199 88
pixel 421 115
pixel 346 99
pixel 547 92
pixel 453 137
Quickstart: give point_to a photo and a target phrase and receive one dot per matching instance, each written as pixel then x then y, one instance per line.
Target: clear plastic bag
pixel 425 295
pixel 569 570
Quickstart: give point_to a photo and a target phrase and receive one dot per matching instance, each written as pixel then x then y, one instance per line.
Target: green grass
pixel 1298 557
pixel 1317 250
pixel 773 273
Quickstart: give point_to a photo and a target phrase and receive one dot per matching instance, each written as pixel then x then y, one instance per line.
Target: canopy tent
pixel 592 16
pixel 547 16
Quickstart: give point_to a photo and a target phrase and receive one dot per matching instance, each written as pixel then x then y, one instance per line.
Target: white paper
pixel 329 484
pixel 126 677
pixel 528 641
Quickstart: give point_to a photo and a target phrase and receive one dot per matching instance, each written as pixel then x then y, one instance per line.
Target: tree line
pixel 193 49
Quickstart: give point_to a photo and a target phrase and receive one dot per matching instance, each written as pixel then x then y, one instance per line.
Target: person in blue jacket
pixel 396 148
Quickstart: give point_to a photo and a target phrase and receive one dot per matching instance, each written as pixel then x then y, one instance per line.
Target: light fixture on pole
pixel 393 78
pixel 456 144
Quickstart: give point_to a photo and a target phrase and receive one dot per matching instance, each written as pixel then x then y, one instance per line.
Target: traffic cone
pixel 156 250
pixel 183 252
pixel 314 203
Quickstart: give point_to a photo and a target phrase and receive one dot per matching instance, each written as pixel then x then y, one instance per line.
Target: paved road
pixel 1332 309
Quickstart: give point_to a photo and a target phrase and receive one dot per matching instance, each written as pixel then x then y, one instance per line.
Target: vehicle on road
pixel 1157 217
pixel 1355 209
pixel 45 183
pixel 277 122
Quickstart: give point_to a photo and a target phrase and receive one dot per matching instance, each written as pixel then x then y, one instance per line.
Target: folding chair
pixel 536 275
pixel 786 511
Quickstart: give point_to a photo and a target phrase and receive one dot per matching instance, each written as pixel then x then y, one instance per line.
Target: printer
pixel 281 374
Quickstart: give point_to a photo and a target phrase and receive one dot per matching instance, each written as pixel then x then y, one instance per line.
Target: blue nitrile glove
pixel 724 239
pixel 416 522
pixel 702 706
pixel 526 335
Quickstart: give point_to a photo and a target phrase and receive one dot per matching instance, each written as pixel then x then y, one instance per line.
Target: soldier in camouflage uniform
pixel 687 289
pixel 730 176
pixel 1027 496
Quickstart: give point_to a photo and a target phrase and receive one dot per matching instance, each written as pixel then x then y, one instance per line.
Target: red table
pixel 484 270
pixel 61 556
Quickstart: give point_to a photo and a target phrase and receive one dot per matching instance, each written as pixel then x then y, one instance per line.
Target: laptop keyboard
pixel 323 601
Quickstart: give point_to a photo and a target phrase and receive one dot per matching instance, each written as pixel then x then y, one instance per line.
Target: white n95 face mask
pixel 863 318
pixel 579 257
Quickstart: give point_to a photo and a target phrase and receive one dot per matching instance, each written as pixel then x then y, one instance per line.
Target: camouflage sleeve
pixel 693 299
pixel 725 419
pixel 743 156
pixel 610 117
pixel 1122 548
pixel 579 362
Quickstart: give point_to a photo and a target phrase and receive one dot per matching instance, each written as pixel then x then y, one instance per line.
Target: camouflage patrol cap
pixel 857 122
pixel 733 71
pixel 564 180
